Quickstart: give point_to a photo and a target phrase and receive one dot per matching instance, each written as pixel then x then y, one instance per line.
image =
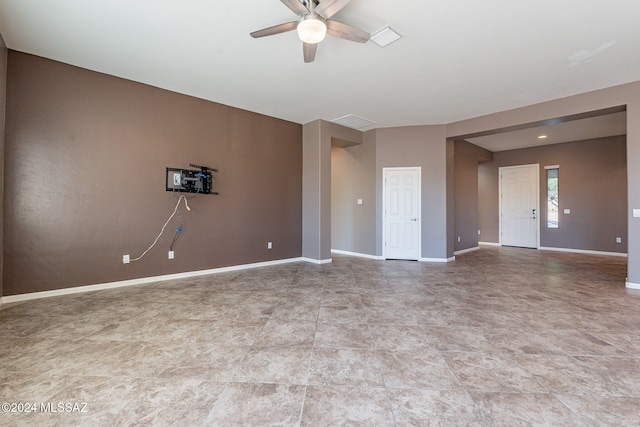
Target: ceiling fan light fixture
pixel 311 29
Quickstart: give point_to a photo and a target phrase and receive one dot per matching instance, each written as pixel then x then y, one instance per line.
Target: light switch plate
pixel 636 213
pixel 567 211
pixel 359 201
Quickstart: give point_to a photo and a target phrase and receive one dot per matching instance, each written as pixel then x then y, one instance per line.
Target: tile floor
pixel 500 337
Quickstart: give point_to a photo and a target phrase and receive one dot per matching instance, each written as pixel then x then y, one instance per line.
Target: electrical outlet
pixel 177 179
pixel 618 239
pixel 478 232
pixel 458 238
pixel 171 254
pixel 125 259
pixel 269 245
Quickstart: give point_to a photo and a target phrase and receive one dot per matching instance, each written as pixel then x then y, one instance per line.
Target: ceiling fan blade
pixel 296 6
pixel 347 32
pixel 328 8
pixel 276 29
pixel 309 51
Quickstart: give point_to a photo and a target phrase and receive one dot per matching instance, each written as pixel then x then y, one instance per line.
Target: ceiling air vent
pixel 385 36
pixel 353 122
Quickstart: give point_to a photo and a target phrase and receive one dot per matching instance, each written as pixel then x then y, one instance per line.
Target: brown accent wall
pixel 3 91
pixel 592 184
pixel 466 159
pixel 85 166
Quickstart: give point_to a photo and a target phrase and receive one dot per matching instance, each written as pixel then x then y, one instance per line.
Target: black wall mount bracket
pixel 191 180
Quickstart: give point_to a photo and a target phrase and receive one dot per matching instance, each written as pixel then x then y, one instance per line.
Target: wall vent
pixel 385 36
pixel 354 122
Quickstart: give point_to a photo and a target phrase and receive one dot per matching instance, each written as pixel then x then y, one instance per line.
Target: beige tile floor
pixel 500 337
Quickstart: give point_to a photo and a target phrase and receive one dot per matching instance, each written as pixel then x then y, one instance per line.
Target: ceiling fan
pixel 313 24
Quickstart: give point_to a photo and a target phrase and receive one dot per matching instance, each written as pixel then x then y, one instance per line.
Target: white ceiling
pixel 576 130
pixel 457 59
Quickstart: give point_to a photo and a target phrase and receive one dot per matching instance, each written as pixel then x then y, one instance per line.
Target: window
pixel 552 197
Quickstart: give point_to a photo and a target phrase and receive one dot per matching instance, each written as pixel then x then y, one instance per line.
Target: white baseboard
pixel 141 281
pixel 630 285
pixel 464 251
pixel 438 259
pixel 316 261
pixel 356 254
pixel 583 251
pixel 489 244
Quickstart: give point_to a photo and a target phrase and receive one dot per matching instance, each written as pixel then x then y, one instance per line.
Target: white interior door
pixel 401 212
pixel 519 199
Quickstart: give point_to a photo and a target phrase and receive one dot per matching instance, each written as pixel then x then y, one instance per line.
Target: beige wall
pixel 85 164
pixel 314 167
pixel 423 146
pixel 353 177
pixel 466 159
pixel 316 186
pixel 356 172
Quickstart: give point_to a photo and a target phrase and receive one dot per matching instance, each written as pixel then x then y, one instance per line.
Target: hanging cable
pixel 165 226
pixel 175 238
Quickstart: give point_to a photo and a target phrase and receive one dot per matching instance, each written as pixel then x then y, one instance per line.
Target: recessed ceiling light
pixel 542 136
